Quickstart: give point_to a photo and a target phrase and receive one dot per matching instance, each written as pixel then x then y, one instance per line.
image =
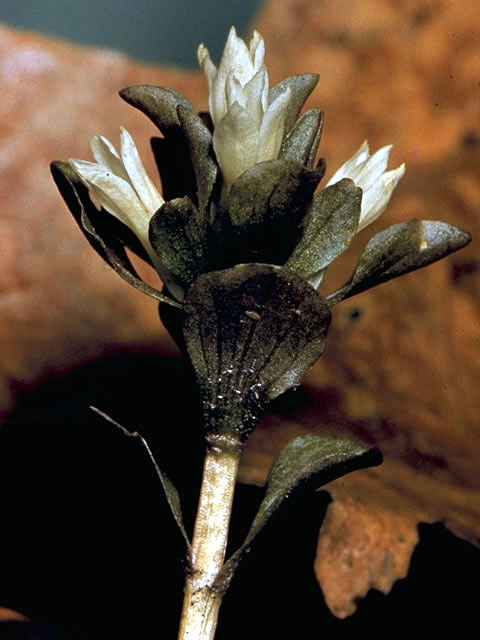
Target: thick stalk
pixel 202 603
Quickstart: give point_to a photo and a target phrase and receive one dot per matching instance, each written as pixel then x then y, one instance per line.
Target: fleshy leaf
pixel 199 140
pixel 311 461
pixel 97 227
pixel 158 103
pixel 171 153
pixel 251 333
pixel 300 87
pixel 178 236
pixel 301 144
pixel 400 249
pixel 330 228
pixel 267 206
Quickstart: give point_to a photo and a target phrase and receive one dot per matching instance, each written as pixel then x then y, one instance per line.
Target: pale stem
pixel 201 602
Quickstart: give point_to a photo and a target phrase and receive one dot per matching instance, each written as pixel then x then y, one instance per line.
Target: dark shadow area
pixel 275 594
pixel 87 542
pixel 88 548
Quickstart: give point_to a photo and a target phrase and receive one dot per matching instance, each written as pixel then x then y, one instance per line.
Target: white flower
pixel 247 129
pixel 368 173
pixel 121 185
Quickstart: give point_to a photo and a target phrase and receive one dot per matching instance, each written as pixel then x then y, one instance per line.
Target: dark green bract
pixel 307 461
pixel 251 333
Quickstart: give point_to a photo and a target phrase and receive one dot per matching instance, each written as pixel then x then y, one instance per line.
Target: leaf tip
pixel 373 457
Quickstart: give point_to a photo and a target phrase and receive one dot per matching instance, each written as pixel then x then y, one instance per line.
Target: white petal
pixel 359 157
pixel 234 92
pixel 235 141
pixel 115 195
pixel 217 101
pixel 235 63
pixel 370 171
pixel 273 126
pixel 146 190
pixel 257 51
pixel 265 90
pixel 254 91
pixel 106 155
pixel 376 199
pixel 236 59
pixel 100 145
pixel 247 129
pixel 206 64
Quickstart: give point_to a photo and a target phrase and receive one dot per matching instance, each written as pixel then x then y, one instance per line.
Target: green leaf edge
pixel 114 253
pixel 355 459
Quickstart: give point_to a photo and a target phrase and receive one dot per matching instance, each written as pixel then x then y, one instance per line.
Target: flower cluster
pixel 241 189
pixel 121 185
pixel 248 127
pixel 368 173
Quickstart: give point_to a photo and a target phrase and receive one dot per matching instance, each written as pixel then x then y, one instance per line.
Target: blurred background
pixel 162 31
